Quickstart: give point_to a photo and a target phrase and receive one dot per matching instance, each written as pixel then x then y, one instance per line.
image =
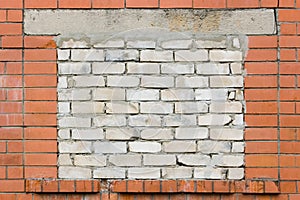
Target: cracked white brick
pixel 236 68
pixel 212 68
pixel 159 160
pixel 194 160
pixel 209 173
pixel 88 107
pixel 236 173
pixel 226 134
pixel 191 82
pixel 142 94
pixel 226 81
pixel 238 120
pixel 209 44
pixel 74 122
pixel 122 107
pixel 88 81
pixel 238 147
pixel 176 68
pixel 121 133
pixel 209 146
pixel 64 134
pixel 214 119
pixel 122 55
pixel 179 120
pixel 75 147
pixel 107 173
pixel 156 107
pixel 225 56
pixel 90 160
pixel 87 55
pixel 226 107
pixel 177 94
pixel 74 172
pixel 149 147
pixel 156 56
pixel 64 107
pixel 74 68
pixel 228 160
pixel 180 172
pixel 74 44
pixel 236 43
pixel 143 68
pixel 109 120
pixel 74 94
pixel 109 94
pixel 144 120
pixel 177 44
pixel 64 159
pixel 108 68
pixel 123 81
pixel 211 94
pixel 179 146
pixel 125 160
pixel 191 107
pixel 87 134
pixel 191 133
pixel 187 55
pixel 157 134
pixel 62 82
pixel 157 81
pixel 144 173
pixel 110 147
pixel 63 54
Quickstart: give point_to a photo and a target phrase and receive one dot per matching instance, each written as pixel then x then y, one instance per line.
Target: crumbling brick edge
pixel 152 186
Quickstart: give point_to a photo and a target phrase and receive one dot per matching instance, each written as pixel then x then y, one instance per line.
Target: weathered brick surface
pixel 142 112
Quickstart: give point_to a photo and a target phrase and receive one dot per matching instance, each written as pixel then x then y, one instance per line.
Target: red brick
pixel 84 186
pixel 141 3
pixel 261 147
pixel 40 55
pixel 108 3
pixel 40 172
pixel 287 107
pixel 2 94
pixel 2 172
pixel 286 3
pixel 261 107
pixel 289 68
pixel 290 147
pixel 14 68
pixel 12 185
pixel 260 94
pixel 176 4
pixel 268 173
pixel 10 29
pixel 67 186
pixel 10 107
pixel 261 81
pixel 2 15
pixel 261 68
pixel 119 186
pixel 287 161
pixel 40 119
pixel 11 81
pixel 40 68
pixel 10 133
pixel 74 4
pixel 269 3
pixel 290 173
pixel 289 121
pixel 40 107
pixel 288 29
pixel 169 186
pixel 287 81
pixel 262 42
pixel 294 196
pixel 41 159
pixel 261 134
pixel 40 94
pixel 135 186
pixel 261 120
pixel 14 15
pixel 11 120
pixel 14 146
pixel 10 55
pixel 288 54
pixel 43 42
pixel 209 4
pixel 221 186
pixel 2 147
pixel 50 186
pixel 14 94
pixel 39 146
pixel 259 160
pixel 152 186
pixel 289 41
pixel 40 133
pixel 288 15
pixel 11 159
pixel 288 134
pixel 15 172
pixel 40 4
pixel 288 186
pixel 186 186
pixel 204 186
pixel 11 4
pixel 242 4
pixel 262 55
pixel 40 81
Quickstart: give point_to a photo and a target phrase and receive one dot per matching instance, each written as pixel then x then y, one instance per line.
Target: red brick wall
pixel 28 104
